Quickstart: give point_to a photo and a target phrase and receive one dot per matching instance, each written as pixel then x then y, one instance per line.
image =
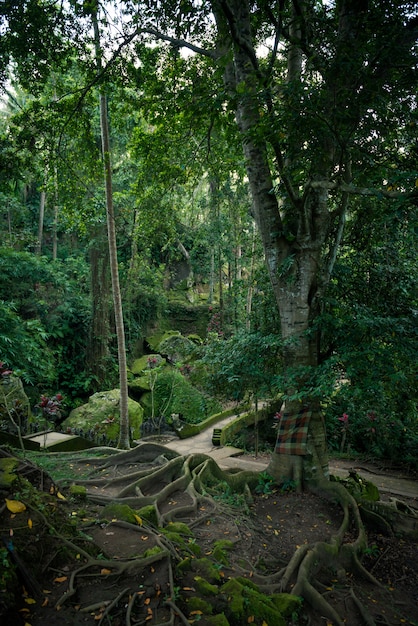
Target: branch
pixel 362 191
pixel 179 43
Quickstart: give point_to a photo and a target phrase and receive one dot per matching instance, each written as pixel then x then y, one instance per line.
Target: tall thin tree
pixel 113 256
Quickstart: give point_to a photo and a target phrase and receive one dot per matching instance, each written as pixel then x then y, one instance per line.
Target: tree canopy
pixel 297 116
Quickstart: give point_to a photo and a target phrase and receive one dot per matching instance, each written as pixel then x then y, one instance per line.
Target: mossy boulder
pixel 155 340
pixel 176 347
pixel 142 363
pixel 13 396
pixel 138 386
pixel 101 415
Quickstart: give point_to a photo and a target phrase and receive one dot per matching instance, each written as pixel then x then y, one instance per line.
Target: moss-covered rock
pixel 140 365
pixel 176 347
pixel 101 416
pixel 139 385
pixel 155 340
pixel 286 603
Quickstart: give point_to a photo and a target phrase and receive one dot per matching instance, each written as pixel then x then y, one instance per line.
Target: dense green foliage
pixel 184 216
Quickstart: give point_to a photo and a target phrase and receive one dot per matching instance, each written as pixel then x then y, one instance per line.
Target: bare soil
pixel 264 535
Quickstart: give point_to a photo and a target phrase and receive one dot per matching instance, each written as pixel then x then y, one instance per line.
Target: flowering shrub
pixel 186 369
pixel 51 407
pixel 214 325
pixel 4 370
pixel 152 362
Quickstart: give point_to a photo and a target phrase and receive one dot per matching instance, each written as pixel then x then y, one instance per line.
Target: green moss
pixel 7 467
pixel 155 340
pixel 180 528
pixel 220 549
pixel 246 582
pixel 195 548
pixel 175 538
pixel 217 620
pixel 153 551
pixel 206 568
pixel 102 414
pixel 140 365
pixel 118 511
pixel 149 514
pixel 204 587
pixel 245 602
pixel 185 565
pixel 234 591
pixel 139 385
pixel 286 603
pixel 78 491
pixel 198 604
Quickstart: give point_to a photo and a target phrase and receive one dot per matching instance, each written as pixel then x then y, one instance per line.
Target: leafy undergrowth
pixel 121 549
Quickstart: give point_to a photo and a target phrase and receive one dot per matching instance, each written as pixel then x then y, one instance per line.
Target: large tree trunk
pixel 293 262
pixel 98 356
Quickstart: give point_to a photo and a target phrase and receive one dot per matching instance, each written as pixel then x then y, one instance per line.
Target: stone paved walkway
pixel 230 457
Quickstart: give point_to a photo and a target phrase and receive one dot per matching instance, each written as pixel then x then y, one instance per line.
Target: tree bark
pixel 124 441
pixel 41 223
pixel 293 263
pixel 98 356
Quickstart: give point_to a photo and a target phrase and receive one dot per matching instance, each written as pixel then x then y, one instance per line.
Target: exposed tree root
pixel 165 474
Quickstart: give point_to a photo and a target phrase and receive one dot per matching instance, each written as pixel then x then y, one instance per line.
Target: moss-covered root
pixel 145 452
pixel 309 559
pixel 116 568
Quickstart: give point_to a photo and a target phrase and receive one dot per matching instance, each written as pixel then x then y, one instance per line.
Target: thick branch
pixel 362 191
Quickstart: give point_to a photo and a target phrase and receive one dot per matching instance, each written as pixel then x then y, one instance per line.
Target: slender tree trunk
pixel 212 274
pixel 55 222
pixel 249 300
pixel 114 271
pixel 124 442
pixel 41 223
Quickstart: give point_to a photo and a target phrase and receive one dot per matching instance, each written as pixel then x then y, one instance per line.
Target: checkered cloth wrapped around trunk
pixel 292 432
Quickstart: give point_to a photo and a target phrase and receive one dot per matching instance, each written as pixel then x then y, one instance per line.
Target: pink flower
pixel 344 418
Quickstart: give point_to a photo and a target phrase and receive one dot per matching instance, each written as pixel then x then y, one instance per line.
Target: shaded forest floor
pixel 55 537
